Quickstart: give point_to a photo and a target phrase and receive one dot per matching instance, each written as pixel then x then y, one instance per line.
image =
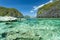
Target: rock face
pixel 51 10
pixel 7 18
pixel 10 12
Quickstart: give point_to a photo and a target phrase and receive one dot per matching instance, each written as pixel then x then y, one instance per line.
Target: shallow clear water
pixel 31 29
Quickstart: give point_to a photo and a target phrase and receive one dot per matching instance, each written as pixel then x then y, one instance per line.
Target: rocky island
pixel 9 14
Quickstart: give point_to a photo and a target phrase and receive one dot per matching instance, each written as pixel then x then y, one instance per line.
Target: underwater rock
pixel 8 23
pixel 40 38
pixel 36 35
pixel 16 39
pixel 17 32
pixel 23 33
pixel 11 27
pixel 4 34
pixel 23 38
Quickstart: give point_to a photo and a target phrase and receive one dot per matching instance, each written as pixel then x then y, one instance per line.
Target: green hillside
pixel 10 12
pixel 51 10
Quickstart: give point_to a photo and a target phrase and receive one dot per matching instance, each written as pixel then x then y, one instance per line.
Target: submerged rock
pixel 8 23
pixel 11 27
pixel 17 39
pixel 4 34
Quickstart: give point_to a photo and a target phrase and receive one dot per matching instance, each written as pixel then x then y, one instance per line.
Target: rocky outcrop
pixel 51 10
pixel 10 12
pixel 7 18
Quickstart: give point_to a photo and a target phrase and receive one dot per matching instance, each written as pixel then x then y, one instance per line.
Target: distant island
pixel 50 10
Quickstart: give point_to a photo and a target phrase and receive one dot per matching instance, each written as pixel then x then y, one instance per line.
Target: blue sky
pixel 26 7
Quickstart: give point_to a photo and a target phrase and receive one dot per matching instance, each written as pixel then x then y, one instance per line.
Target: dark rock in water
pixel 4 34
pixel 11 27
pixel 17 32
pixel 36 35
pixel 23 39
pixel 14 20
pixel 40 38
pixel 16 39
pixel 8 23
pixel 23 33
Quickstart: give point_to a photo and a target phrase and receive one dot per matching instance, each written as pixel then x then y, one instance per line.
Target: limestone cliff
pixel 51 10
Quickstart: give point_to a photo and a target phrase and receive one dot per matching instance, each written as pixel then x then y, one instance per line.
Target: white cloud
pixel 31 11
pixel 51 0
pixel 37 7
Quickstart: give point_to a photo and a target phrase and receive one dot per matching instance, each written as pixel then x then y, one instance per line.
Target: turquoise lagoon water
pixel 31 29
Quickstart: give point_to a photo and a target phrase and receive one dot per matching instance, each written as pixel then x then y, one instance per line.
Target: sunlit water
pixel 35 29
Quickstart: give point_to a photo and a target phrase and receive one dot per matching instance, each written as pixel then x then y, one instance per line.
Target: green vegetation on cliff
pixel 51 10
pixel 10 12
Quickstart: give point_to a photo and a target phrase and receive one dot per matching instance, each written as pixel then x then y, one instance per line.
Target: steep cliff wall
pixel 51 10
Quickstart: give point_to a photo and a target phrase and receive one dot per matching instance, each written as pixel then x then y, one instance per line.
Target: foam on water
pixel 38 29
